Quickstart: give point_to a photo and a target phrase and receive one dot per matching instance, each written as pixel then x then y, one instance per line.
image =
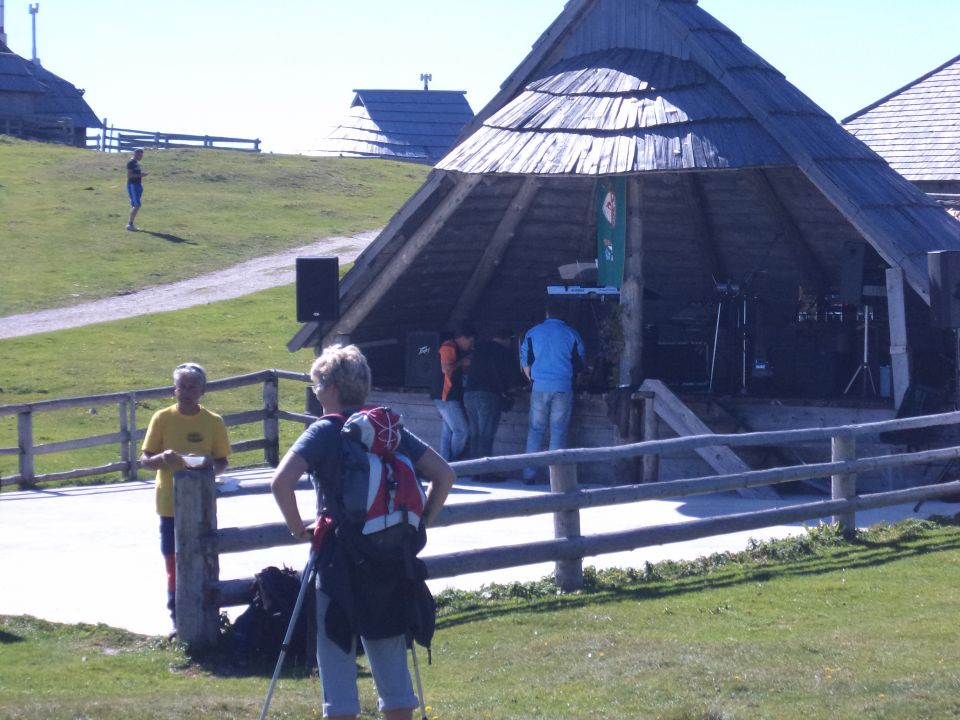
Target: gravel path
pixel 247 277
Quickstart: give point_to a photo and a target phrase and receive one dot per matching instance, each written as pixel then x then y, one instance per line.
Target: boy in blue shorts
pixel 134 186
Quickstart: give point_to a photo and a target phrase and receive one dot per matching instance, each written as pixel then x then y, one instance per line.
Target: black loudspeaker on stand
pixel 318 289
pixel 944 275
pixel 422 359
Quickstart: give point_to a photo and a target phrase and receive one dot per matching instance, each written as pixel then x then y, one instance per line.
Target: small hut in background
pixel 414 125
pixel 917 130
pixel 772 264
pixel 38 105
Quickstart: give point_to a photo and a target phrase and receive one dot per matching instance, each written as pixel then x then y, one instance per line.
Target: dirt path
pixel 247 277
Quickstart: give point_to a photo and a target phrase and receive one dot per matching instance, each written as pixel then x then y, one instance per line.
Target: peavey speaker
pixel 944 271
pixel 422 359
pixel 318 289
pixel 851 273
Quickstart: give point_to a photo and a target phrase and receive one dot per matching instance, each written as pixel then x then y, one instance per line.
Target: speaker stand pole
pixel 865 365
pixel 716 336
pixel 956 369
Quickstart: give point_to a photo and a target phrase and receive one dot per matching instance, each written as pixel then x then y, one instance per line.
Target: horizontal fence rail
pixel 128 433
pixel 201 593
pixel 565 502
pixel 114 139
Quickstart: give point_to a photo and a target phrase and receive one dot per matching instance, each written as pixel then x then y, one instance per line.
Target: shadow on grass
pixel 860 553
pixel 168 237
pixel 9 638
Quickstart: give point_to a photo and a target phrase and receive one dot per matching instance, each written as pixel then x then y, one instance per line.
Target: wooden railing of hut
pixel 201 593
pixel 128 433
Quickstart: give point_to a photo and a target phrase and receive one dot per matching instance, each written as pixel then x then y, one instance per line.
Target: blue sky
pixel 284 70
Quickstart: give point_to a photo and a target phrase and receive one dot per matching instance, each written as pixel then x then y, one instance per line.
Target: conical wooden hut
pixel 758 229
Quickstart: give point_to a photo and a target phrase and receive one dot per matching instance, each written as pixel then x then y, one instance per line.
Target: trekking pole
pixel 308 572
pixel 416 674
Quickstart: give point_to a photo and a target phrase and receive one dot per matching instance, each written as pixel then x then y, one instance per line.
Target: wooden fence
pixel 128 433
pixel 114 139
pixel 201 592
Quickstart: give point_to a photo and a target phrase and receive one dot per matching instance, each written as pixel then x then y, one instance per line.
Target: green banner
pixel 611 231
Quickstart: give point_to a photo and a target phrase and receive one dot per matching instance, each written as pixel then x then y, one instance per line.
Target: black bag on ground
pixel 259 631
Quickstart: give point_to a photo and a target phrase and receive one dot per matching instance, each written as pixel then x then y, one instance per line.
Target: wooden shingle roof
pixel 741 176
pixel 62 99
pixel 419 125
pixel 52 95
pixel 917 128
pixel 15 75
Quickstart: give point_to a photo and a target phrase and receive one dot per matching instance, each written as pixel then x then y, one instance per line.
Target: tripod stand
pixel 864 367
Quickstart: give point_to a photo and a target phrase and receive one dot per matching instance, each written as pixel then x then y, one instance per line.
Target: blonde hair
pixel 344 367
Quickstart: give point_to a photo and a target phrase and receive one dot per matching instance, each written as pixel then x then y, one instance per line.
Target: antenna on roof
pixel 3 35
pixel 34 9
pixel 426 77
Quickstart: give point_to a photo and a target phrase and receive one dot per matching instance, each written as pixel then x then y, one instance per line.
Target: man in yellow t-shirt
pixel 184 430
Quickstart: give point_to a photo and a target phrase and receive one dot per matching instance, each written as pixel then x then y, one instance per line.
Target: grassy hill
pixel 63 212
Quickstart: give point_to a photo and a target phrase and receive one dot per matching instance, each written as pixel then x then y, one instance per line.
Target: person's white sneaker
pixel 133 228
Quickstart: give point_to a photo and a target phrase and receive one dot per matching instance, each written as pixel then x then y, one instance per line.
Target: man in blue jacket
pixel 551 354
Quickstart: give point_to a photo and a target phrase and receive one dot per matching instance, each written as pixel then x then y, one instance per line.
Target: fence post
pixel 125 438
pixel 198 564
pixel 271 425
pixel 651 461
pixel 844 486
pixel 133 473
pixel 566 525
pixel 25 443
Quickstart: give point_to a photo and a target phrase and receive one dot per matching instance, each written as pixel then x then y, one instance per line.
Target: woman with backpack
pixel 376 601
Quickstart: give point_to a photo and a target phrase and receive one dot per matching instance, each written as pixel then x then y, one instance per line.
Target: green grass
pixel 809 627
pixel 63 211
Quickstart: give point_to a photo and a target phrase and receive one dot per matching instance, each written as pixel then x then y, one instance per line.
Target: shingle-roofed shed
pixel 733 175
pixel 917 129
pixel 416 125
pixel 38 103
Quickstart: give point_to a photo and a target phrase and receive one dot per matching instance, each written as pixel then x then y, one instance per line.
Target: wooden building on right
pixel 916 129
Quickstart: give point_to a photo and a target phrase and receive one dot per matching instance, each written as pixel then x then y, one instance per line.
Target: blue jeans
pixel 455 431
pixel 547 409
pixel 483 417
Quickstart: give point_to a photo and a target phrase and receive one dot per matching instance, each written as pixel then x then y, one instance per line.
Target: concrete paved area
pixel 92 554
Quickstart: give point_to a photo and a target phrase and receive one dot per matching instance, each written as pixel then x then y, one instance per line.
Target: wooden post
pixel 844 486
pixel 631 293
pixel 198 564
pixel 566 525
pixel 271 425
pixel 125 439
pixel 651 431
pixel 25 443
pixel 899 348
pixel 133 473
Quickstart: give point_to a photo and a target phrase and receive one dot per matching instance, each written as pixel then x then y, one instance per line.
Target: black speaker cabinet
pixel 422 359
pixel 318 289
pixel 851 273
pixel 944 272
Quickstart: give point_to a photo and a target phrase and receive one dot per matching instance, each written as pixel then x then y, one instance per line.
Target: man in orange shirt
pixel 448 392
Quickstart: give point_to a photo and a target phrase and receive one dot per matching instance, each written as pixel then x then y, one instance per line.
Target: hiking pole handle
pixel 308 572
